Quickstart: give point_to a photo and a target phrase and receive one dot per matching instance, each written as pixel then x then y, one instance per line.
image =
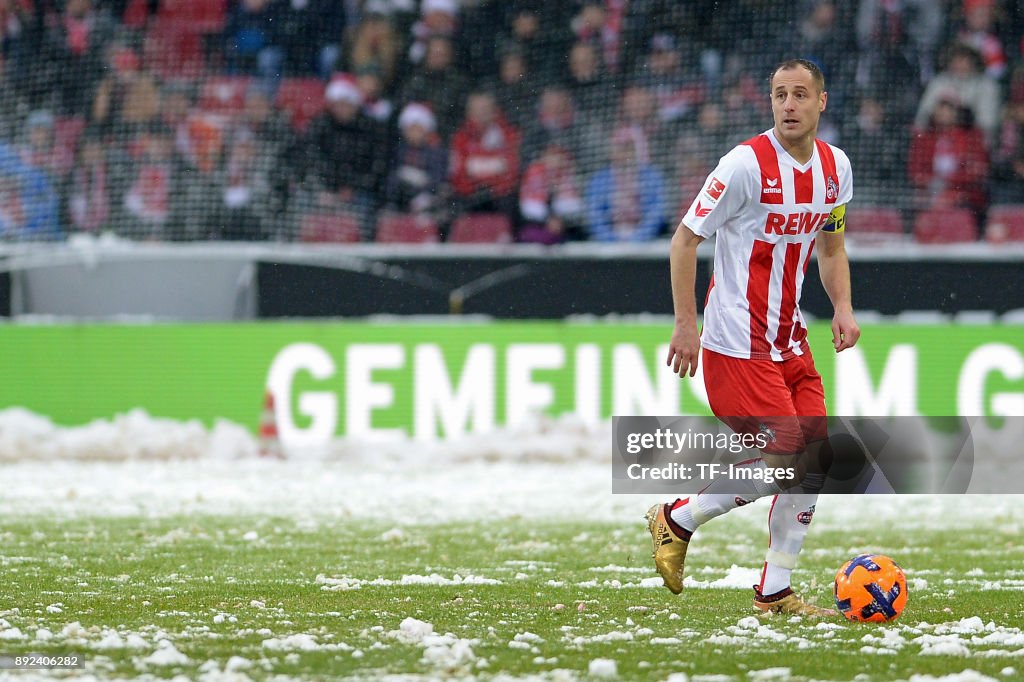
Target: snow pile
pixel 134 435
pixel 603 667
pixel 446 652
pixel 967 675
pixel 737 577
pixel 296 642
pixel 166 654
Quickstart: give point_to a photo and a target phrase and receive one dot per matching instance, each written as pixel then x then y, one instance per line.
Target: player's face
pixel 796 104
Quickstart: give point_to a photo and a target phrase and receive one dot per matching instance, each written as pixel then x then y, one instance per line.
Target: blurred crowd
pixel 319 120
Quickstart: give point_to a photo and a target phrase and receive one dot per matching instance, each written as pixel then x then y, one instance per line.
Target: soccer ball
pixel 871 587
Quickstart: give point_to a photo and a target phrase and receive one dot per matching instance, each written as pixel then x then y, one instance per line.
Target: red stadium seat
pixel 321 228
pixel 1005 224
pixel 945 226
pixel 481 228
pixel 224 94
pixel 136 14
pixel 302 98
pixel 173 49
pixel 873 223
pixel 403 228
pixel 203 16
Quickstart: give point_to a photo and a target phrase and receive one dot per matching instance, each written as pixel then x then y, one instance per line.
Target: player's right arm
pixel 723 195
pixel 684 347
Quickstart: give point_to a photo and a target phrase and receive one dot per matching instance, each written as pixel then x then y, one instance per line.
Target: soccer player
pixel 768 202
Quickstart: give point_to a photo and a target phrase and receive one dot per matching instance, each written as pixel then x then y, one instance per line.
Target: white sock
pixel 709 503
pixel 788 523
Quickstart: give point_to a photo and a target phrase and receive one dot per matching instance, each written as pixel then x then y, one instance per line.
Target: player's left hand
pixel 845 331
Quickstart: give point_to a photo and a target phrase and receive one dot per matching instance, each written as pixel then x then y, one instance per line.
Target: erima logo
pixel 771 190
pixel 701 211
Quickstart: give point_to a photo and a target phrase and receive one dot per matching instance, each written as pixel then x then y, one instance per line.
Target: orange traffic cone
pixel 270 444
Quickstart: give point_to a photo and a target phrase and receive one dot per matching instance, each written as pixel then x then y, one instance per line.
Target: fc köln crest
pixel 831 189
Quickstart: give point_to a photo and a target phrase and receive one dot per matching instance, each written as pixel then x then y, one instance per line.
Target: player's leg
pixel 735 387
pixel 739 388
pixel 791 513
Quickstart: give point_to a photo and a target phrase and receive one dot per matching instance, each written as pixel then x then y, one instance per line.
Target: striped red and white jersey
pixel 766 210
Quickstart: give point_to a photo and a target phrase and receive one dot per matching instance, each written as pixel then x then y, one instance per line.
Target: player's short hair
pixel 816 74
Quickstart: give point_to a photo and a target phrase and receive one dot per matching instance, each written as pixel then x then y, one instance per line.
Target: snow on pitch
pixel 137 464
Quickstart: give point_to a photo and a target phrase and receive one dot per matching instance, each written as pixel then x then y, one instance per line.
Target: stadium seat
pixel 136 14
pixel 874 223
pixel 302 98
pixel 224 94
pixel 1005 224
pixel 318 227
pixel 403 228
pixel 945 226
pixel 481 228
pixel 203 16
pixel 173 49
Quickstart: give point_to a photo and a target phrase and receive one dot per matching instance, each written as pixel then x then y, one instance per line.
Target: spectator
pixel 625 201
pixel 127 99
pixel 965 80
pixel 73 54
pixel 252 41
pixel 676 91
pixel 151 186
pixel 590 89
pixel 88 187
pixel 948 164
pixel 345 154
pixel 654 137
pixel 29 206
pixel 537 30
pixel 177 101
pixel 515 88
pixel 549 200
pixel 897 43
pixel 478 58
pixel 276 145
pixel 309 33
pixel 375 104
pixel 600 22
pixel 690 171
pixel 438 83
pixel 39 149
pixel 682 21
pixel 744 106
pixel 980 33
pixel 823 38
pixel 198 189
pixel 16 34
pixel 1008 162
pixel 375 44
pixel 244 190
pixel 437 18
pixel 559 122
pixel 417 182
pixel 875 145
pixel 485 159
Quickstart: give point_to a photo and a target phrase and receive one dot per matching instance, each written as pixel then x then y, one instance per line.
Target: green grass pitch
pixel 244 597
